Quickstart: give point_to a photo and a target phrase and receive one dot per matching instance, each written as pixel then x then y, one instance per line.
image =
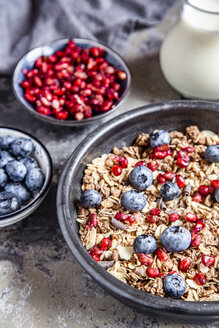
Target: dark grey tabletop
pixel 40 283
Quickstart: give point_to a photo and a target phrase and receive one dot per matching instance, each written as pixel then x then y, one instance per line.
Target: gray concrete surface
pixel 41 285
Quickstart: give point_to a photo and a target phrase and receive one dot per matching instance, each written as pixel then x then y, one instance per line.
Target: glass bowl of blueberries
pixel 25 175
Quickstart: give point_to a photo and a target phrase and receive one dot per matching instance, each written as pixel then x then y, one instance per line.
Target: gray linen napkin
pixel 25 24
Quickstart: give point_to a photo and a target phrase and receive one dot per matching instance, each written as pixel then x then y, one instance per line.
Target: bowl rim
pixel 106 280
pixel 36 200
pixel 55 121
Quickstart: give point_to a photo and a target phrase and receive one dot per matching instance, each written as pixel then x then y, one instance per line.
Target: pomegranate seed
pixel 164 147
pixel 204 190
pixel 183 154
pixel 160 178
pixel 37 91
pixel 185 264
pixel 200 224
pixel 116 170
pixel 24 71
pixel 43 110
pixel 180 181
pixel 116 86
pixel 95 52
pixel 152 166
pixel 134 218
pixel 45 102
pixel 121 75
pixel 96 250
pixel 155 211
pixel 29 97
pixel 37 80
pixel 121 216
pixel 152 218
pixel 71 44
pixel 169 175
pixel 182 162
pixel 86 92
pixel 107 105
pixel 123 161
pixel 197 198
pixel 55 104
pixel 60 53
pixel 80 75
pixel 105 244
pixel 160 154
pixel 196 240
pixel 79 116
pixel 95 257
pixel 152 272
pixel 200 279
pixel 97 100
pixel 145 259
pixel 53 58
pixel 174 217
pixel 87 111
pixel 189 149
pixel 48 95
pixel 191 217
pixel 140 163
pixel 38 62
pixel 93 219
pixel 208 260
pixel 25 84
pixel 162 255
pixel 110 70
pixel 62 115
pixel 215 184
pixel 169 152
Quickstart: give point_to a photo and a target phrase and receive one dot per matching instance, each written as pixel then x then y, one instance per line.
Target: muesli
pixel 149 213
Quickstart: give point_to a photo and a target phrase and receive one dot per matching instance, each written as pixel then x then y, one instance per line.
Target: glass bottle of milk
pixel 189 55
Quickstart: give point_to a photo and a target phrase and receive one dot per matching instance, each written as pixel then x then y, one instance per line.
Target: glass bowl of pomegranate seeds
pixel 71 81
pixel 25 175
pixel 138 205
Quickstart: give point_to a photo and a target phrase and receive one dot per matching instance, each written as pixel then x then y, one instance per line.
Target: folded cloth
pixel 25 24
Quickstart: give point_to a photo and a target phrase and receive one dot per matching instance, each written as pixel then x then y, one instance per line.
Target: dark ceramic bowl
pixel 27 61
pixel 42 156
pixel 119 132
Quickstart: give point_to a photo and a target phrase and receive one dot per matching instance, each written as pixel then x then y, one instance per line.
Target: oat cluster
pixel 119 259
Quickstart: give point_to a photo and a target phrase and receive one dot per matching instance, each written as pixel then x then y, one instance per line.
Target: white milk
pixel 189 56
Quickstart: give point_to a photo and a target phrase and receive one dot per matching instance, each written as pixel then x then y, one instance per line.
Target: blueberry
pixel 5 158
pixel 34 179
pixel 145 244
pixel 29 162
pixel 133 201
pixel 16 170
pixel 3 178
pixel 212 153
pixel 6 141
pixel 176 239
pixel 90 198
pixel 161 137
pixel 169 191
pixel 174 285
pixel 8 203
pixel 19 190
pixel 217 195
pixel 141 177
pixel 22 147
